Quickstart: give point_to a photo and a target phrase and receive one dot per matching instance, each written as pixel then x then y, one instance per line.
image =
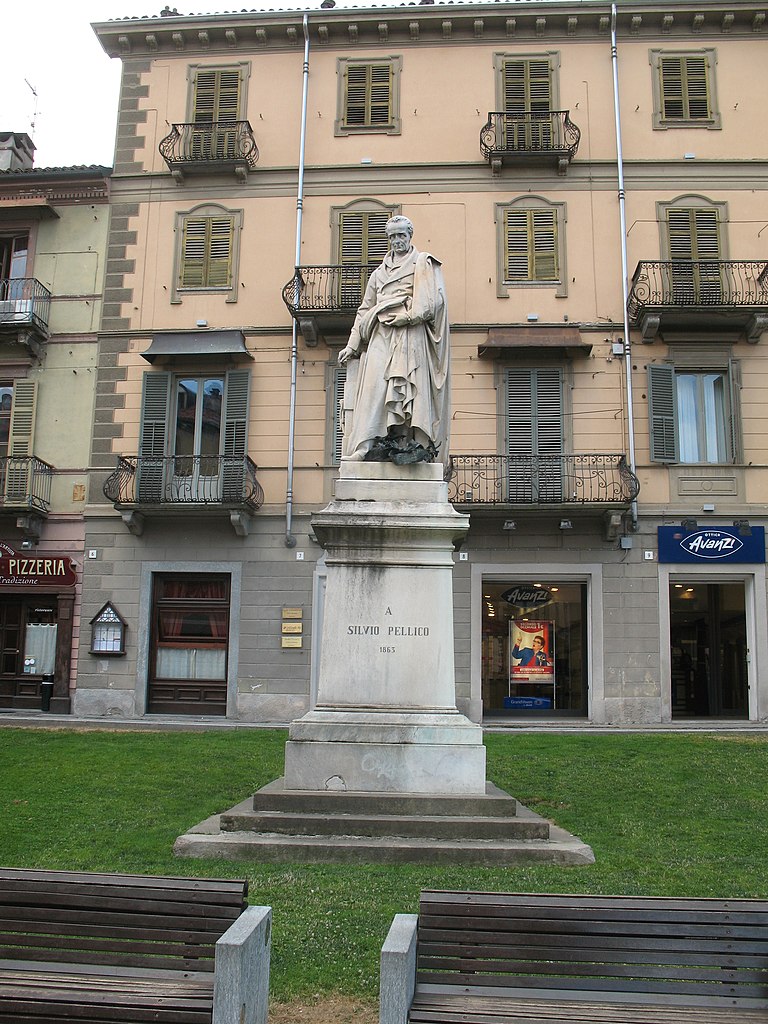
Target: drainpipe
pixel 624 272
pixel 290 540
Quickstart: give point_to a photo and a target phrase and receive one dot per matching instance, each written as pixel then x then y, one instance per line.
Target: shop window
pixel 531 245
pixel 28 631
pixel 189 645
pixel 207 251
pixel 534 648
pixel 693 409
pixel 684 91
pixel 369 96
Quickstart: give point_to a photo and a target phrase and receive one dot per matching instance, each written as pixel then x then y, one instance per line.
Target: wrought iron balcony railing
pixel 327 289
pixel 214 480
pixel 687 294
pixel 25 483
pixel 210 146
pixel 589 479
pixel 509 136
pixel 25 302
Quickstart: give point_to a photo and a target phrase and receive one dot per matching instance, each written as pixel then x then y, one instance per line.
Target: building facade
pixel 607 429
pixel 53 236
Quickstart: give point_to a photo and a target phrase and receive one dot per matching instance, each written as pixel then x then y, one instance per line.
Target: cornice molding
pixel 352 28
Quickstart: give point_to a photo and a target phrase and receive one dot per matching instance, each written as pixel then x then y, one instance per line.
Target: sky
pixel 58 85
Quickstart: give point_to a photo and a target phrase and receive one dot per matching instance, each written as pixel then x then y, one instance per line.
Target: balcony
pixel 25 485
pixel 528 137
pixel 200 484
pixel 210 148
pixel 594 480
pixel 325 299
pixel 727 296
pixel 25 307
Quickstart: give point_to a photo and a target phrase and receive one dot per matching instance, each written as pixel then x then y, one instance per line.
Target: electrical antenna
pixel 33 123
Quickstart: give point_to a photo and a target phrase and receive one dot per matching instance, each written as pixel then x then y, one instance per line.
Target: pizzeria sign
pixel 23 569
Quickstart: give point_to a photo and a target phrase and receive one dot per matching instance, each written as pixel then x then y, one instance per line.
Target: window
pixel 359 244
pixel 693 240
pixel 525 89
pixel 193 437
pixel 217 102
pixel 693 408
pixel 337 380
pixel 368 96
pixel 28 629
pixel 18 406
pixel 531 249
pixel 534 433
pixel 208 251
pixel 684 89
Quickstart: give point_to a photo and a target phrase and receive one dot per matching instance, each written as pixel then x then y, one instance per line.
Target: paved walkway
pixel 194 723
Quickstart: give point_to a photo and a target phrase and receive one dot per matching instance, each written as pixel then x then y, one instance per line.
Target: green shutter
pixel 339 380
pixel 153 434
pixel 368 95
pixel 694 241
pixel 235 435
pixel 362 241
pixel 206 255
pixel 18 476
pixel 531 251
pixel 684 82
pixel 662 413
pixel 535 434
pixel 216 96
pixel 527 86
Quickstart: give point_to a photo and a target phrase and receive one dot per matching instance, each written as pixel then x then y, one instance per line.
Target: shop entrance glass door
pixel 708 632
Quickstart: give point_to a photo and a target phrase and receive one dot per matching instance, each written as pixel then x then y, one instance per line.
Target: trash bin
pixel 46 691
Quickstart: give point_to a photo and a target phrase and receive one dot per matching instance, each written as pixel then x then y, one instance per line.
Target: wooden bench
pixel 482 958
pixel 130 948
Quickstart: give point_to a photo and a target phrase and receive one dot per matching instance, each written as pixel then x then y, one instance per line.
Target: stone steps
pixel 282 826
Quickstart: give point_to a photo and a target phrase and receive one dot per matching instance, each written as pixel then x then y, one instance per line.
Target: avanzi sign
pixel 718 544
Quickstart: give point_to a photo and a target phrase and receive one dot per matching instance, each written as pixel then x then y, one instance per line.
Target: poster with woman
pixel 531 651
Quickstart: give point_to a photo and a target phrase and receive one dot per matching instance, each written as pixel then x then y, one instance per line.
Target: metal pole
pixel 290 540
pixel 624 272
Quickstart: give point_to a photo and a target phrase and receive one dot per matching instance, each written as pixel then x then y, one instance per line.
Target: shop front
pixel 37 597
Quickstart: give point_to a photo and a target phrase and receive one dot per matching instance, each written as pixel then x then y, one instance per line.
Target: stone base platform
pixel 291 826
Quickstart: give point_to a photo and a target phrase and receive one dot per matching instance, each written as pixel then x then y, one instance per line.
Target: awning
pixel 504 340
pixel 209 344
pixel 26 208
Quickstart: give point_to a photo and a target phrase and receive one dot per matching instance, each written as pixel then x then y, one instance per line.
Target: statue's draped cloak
pixel 403 378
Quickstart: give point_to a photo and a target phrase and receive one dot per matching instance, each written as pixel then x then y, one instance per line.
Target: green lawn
pixel 665 815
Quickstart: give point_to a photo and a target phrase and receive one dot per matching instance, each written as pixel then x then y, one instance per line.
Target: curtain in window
pixel 40 649
pixel 191 663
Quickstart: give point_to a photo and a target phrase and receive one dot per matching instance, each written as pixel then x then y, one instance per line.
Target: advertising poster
pixel 532 651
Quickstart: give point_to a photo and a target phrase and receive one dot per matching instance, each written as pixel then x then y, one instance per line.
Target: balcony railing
pixel 590 479
pixel 331 289
pixel 511 137
pixel 24 302
pixel 25 483
pixel 686 293
pixel 210 480
pixel 210 146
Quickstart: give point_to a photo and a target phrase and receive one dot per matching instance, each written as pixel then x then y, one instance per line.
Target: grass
pixel 666 814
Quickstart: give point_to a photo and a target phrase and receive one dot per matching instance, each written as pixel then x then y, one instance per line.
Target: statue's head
pixel 399 231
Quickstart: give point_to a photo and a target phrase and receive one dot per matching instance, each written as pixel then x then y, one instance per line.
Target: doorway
pixel 708 636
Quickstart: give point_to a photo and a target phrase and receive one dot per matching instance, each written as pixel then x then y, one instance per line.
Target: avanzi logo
pixel 711 544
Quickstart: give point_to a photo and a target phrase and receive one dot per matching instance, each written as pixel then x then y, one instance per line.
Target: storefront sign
pixel 711 544
pixel 526 597
pixel 527 702
pixel 27 569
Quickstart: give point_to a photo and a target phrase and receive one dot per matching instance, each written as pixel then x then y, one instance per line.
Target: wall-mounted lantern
pixel 108 631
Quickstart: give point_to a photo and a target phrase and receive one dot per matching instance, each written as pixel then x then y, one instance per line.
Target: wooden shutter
pixel 206 256
pixel 685 87
pixel 18 477
pixel 153 434
pixel 662 413
pixel 339 379
pixel 535 433
pixel 527 85
pixel 362 241
pixel 531 245
pixel 235 434
pixel 694 240
pixel 368 95
pixel 216 95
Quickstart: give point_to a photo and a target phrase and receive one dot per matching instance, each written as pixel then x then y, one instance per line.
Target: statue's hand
pixel 345 355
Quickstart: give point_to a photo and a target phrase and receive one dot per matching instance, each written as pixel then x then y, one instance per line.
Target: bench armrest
pixel 398 970
pixel 241 978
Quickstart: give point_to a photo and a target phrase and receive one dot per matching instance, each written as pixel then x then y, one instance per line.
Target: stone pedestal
pixel 386 718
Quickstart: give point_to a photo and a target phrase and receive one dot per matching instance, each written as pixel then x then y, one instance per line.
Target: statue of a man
pixel 399 399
